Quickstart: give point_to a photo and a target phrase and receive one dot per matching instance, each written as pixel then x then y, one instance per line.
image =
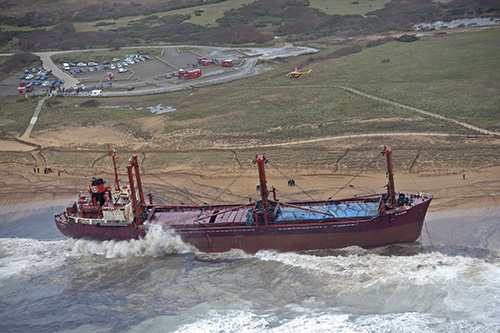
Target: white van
pixel 95 93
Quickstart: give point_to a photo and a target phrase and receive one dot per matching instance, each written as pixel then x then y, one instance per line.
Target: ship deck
pixel 242 215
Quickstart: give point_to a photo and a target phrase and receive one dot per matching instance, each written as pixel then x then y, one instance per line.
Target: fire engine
pixel 207 62
pixel 192 74
pixel 24 88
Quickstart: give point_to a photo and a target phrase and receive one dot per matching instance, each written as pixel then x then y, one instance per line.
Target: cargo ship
pixel 123 212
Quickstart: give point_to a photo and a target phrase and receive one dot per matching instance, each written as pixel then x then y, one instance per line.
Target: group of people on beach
pixel 46 171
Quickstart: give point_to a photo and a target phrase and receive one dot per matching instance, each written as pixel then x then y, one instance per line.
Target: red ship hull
pixel 394 227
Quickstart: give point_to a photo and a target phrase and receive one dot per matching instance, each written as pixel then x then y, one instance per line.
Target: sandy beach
pixel 480 188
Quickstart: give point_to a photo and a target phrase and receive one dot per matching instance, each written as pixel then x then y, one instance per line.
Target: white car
pixel 81 64
pixel 95 93
pixel 46 84
pixel 119 65
pixel 122 70
pixel 29 77
pixel 112 66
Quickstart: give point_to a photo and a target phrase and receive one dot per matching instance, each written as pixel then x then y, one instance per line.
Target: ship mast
pixel 134 164
pixel 115 158
pixel 264 194
pixel 390 173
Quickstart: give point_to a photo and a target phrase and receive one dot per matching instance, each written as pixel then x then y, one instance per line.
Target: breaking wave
pixel 157 242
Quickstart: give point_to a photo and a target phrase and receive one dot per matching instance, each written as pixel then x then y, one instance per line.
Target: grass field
pixel 15 115
pixel 456 76
pixel 347 7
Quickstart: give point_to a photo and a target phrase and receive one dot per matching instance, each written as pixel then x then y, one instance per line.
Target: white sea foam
pixel 420 269
pixel 319 322
pixel 156 243
pixel 455 287
pixel 25 257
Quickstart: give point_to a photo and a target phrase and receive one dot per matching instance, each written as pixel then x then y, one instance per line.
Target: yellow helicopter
pixel 296 73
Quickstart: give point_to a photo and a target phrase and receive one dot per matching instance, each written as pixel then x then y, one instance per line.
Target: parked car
pixel 116 59
pixel 122 70
pixel 92 63
pixel 81 64
pixel 105 62
pixel 29 77
pixel 112 67
pixel 91 69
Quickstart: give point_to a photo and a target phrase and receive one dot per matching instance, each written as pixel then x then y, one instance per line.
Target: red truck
pixel 207 62
pixel 192 74
pixel 25 88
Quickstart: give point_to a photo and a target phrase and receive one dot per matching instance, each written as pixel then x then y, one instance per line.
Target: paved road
pixel 48 64
pixel 34 119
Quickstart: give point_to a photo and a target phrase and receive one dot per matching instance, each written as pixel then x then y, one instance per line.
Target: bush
pixel 91 103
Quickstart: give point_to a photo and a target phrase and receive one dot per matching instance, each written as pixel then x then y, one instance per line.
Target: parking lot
pixel 149 75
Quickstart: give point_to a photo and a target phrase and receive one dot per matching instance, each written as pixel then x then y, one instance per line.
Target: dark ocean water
pixel 448 283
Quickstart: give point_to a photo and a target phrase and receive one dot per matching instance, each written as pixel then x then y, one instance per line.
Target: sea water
pixel 50 283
